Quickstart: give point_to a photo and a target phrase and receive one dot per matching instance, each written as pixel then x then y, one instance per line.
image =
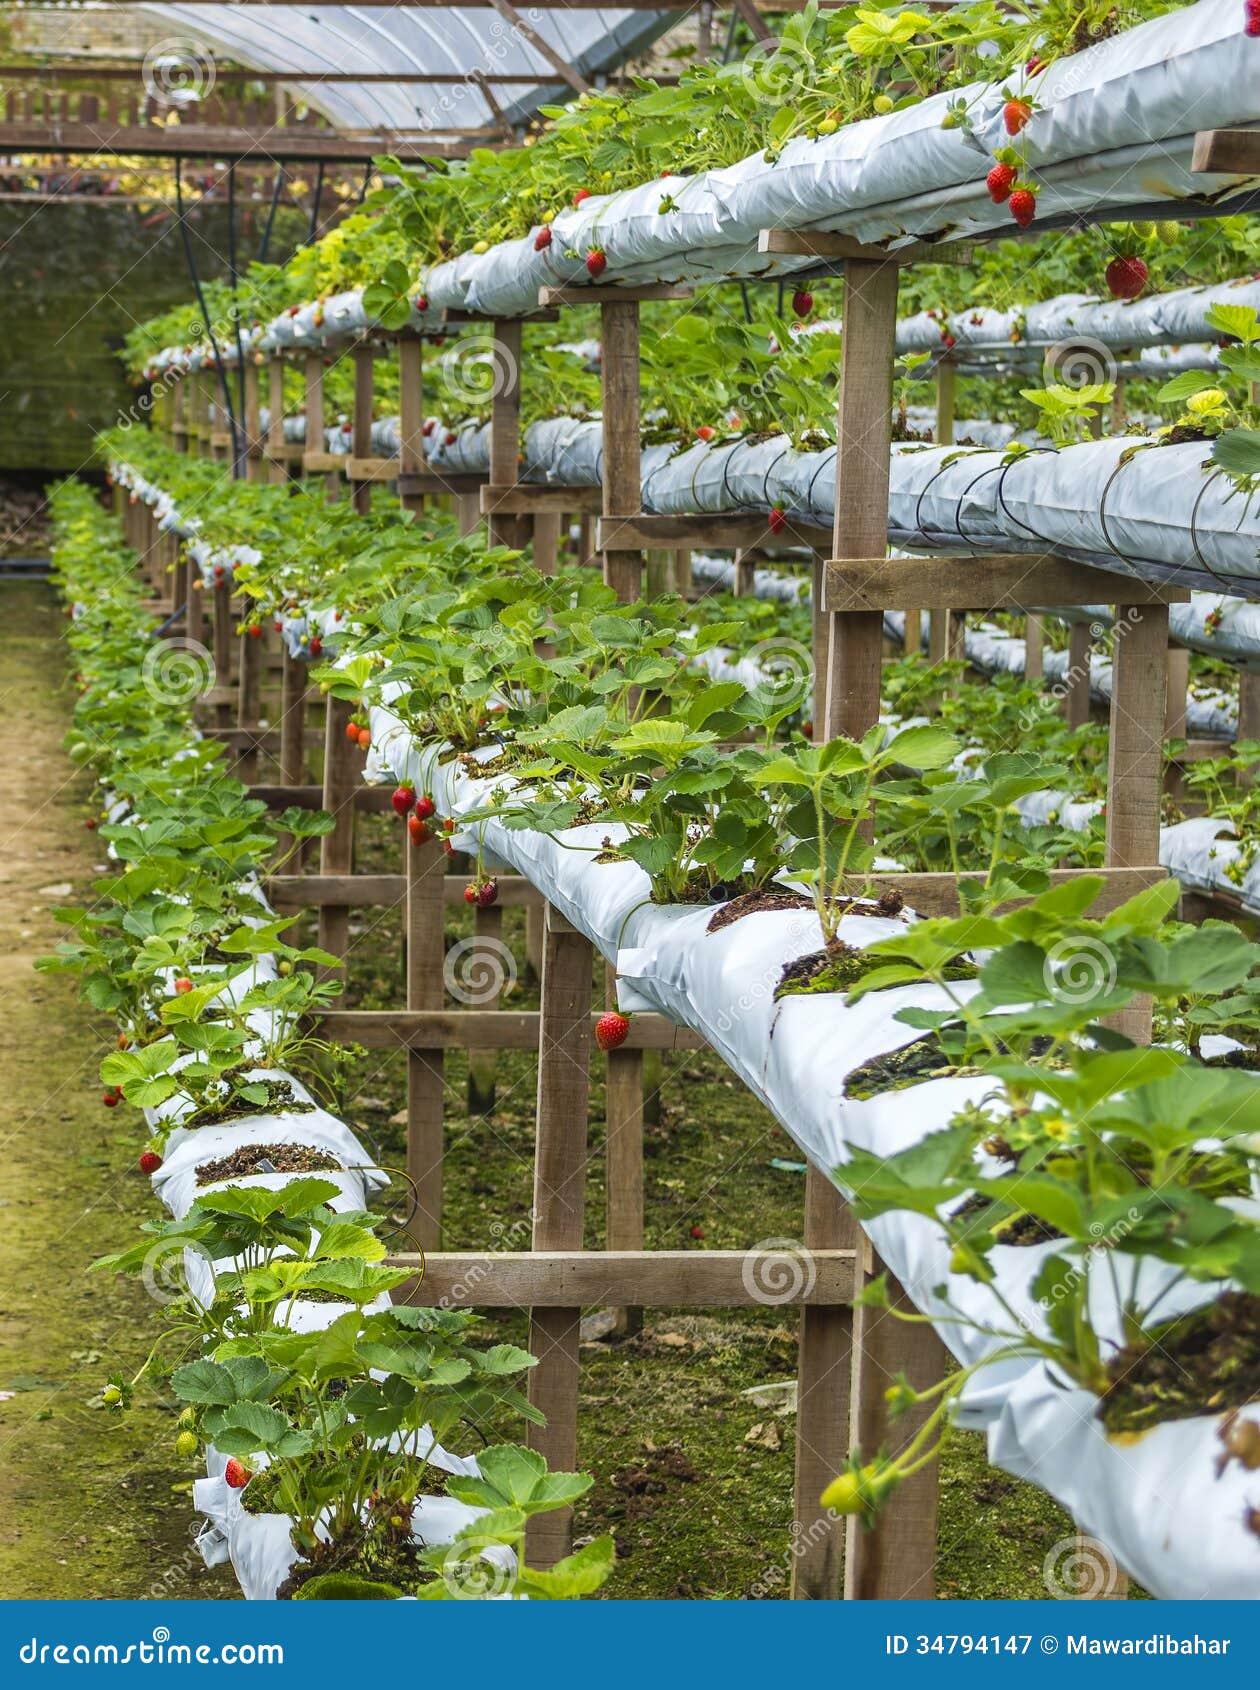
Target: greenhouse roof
pixel 489 64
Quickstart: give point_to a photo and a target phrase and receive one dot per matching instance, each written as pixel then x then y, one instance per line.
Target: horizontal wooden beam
pixel 690 1279
pixel 372 469
pixel 936 893
pixel 831 248
pixel 479 1029
pixel 982 581
pixel 222 141
pixel 368 800
pixel 1226 152
pixel 611 293
pixel 323 463
pixel 435 483
pixel 356 891
pixel 524 500
pixel 723 533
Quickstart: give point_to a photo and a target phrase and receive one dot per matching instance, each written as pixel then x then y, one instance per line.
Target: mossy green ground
pixel 90 1505
pixel 693 1476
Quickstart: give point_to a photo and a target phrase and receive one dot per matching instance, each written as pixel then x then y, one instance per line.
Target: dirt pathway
pixel 89 1505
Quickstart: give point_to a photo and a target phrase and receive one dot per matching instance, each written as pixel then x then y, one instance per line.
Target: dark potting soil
pixel 279 1097
pixel 840 967
pixel 1204 1362
pixel 1021 1229
pixel 285 1159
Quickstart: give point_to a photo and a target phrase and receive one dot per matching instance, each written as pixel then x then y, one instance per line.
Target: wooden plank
pixel 426 1084
pixel 336 849
pixel 249 697
pixel 619 409
pixel 364 361
pixel 683 1279
pixel 412 485
pixel 823 1387
pixel 271 145
pixel 370 800
pixel 1034 648
pixel 489 1029
pixel 564 1047
pixel 412 460
pixel 526 500
pixel 623 1161
pixel 486 965
pixel 1226 152
pixel 831 248
pixel 601 293
pixel 863 465
pixel 223 641
pixel 936 892
pixel 323 463
pixel 505 432
pixel 982 581
pixel 372 469
pixel 358 890
pixel 645 532
pixel 1075 684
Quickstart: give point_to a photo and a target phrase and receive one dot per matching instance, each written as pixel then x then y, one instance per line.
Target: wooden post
pixel 682 573
pixel 623 1162
pixel 276 470
pixel 292 720
pixel 255 467
pixel 1034 648
pixel 863 458
pixel 564 1043
pixel 619 379
pixel 912 633
pixel 1135 757
pixel 546 541
pixel 361 436
pixel 336 849
pixel 424 866
pixel 223 646
pixel 1076 681
pixel 1249 711
pixel 314 371
pixel 745 575
pixel 486 964
pixel 411 457
pixel 467 513
pixel 944 431
pixel 825 1361
pixel 249 694
pixel 1178 686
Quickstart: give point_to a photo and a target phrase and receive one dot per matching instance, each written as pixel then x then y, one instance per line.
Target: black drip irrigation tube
pixel 191 261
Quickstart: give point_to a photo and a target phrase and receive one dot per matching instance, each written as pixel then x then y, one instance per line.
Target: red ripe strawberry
pixel 1000 181
pixel 1015 114
pixel 582 194
pixel 1252 25
pixel 254 630
pixel 802 302
pixel 948 341
pixel 428 427
pixel 420 831
pixel 488 893
pixel 451 439
pixel 91 824
pixel 236 1473
pixel 704 432
pixel 596 262
pixel 1127 276
pixel 448 824
pixel 807 728
pixel 1023 204
pixel 448 848
pixel 402 798
pixel 352 732
pixel 278 625
pixel 612 1030
pixel 218 572
pixel 425 807
pixel 421 302
pixel 183 985
pixel 778 520
pixel 316 645
pixel 697 1231
pixel 365 738
pixel 542 240
pixel 150 1162
pixel 111 1098
pixel 470 892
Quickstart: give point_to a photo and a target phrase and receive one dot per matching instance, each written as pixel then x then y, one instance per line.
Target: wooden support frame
pixel 642 531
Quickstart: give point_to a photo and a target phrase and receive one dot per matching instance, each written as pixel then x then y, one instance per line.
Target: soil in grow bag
pixel 280 1097
pixel 284 1159
pixel 839 966
pixel 922 1059
pixel 750 903
pixel 1017 1229
pixel 1204 1362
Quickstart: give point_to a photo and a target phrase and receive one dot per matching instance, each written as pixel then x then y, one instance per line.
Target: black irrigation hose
pixel 191 261
pixel 271 214
pixel 240 443
pixel 319 194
